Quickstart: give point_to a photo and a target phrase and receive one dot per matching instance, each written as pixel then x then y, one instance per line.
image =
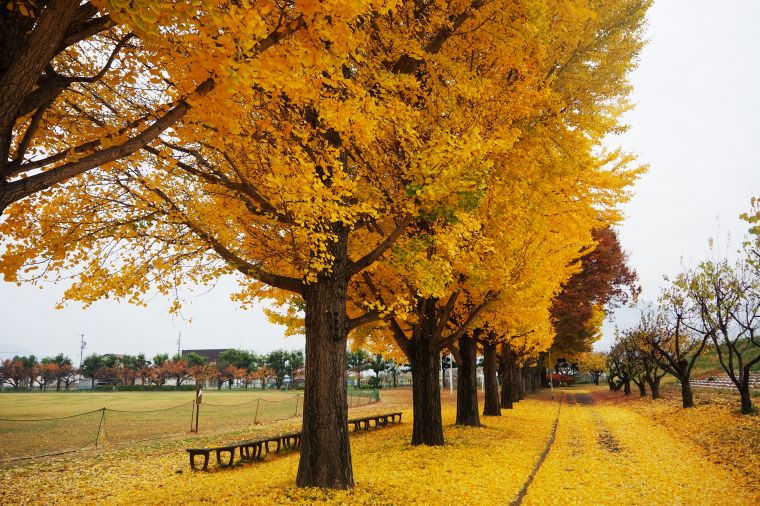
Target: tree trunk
pixel 467 383
pixel 642 389
pixel 627 386
pixel 654 386
pixel 491 382
pixel 687 397
pixel 507 385
pixel 744 392
pixel 520 383
pixel 325 450
pixel 427 428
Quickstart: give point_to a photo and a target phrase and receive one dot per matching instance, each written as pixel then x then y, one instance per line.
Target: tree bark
pixel 687 397
pixel 654 386
pixel 520 379
pixel 325 451
pixel 744 392
pixel 467 383
pixel 627 386
pixel 642 389
pixel 506 377
pixel 491 383
pixel 427 427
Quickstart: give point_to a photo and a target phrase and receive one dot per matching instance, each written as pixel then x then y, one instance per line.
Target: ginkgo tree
pixel 298 178
pixel 443 268
pixel 297 185
pixel 84 84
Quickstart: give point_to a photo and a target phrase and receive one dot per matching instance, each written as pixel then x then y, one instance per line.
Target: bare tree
pixel 728 299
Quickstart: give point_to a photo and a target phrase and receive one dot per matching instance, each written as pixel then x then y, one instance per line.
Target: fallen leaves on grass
pixel 485 465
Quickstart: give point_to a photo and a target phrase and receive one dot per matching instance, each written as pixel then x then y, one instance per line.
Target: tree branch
pixel 243 266
pixel 368 259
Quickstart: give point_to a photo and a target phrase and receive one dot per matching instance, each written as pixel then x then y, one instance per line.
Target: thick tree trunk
pixel 507 382
pixel 427 427
pixel 642 389
pixel 467 383
pixel 425 360
pixel 491 382
pixel 687 397
pixel 654 387
pixel 519 378
pixel 325 451
pixel 627 386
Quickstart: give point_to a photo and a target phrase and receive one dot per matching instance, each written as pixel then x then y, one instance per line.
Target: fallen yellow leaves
pixel 714 425
pixel 604 453
pixel 487 465
pixel 611 455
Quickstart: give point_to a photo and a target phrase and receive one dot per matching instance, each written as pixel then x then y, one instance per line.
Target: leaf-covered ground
pixel 609 454
pixel 605 452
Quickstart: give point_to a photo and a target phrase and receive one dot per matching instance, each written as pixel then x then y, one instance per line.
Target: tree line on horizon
pixel 405 177
pixel 234 366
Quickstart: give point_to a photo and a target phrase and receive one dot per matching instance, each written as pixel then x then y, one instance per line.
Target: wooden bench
pixel 254 448
pixel 248 450
pixel 380 420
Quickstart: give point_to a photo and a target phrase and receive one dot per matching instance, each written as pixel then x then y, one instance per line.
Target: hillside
pixel 709 365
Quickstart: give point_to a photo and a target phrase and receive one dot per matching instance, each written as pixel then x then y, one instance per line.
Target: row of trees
pixel 27 370
pixel 360 361
pixel 716 304
pixel 243 367
pixel 420 175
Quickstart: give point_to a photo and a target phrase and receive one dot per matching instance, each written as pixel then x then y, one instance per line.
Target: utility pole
pixel 82 346
pixel 179 343
pixel 440 356
pixel 451 374
pixel 551 373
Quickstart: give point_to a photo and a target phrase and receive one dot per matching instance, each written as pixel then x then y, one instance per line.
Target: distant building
pixel 212 355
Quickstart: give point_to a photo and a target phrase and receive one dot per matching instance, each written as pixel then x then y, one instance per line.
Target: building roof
pixel 211 354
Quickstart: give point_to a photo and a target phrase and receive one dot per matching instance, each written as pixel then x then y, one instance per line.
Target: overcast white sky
pixel 696 124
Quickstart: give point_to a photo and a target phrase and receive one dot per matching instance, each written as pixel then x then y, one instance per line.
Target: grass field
pixel 608 449
pixel 57 404
pixel 33 424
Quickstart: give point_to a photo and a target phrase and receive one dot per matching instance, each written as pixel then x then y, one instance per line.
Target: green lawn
pixel 57 404
pixel 33 424
pixel 708 364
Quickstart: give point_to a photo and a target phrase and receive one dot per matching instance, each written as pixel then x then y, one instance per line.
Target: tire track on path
pixel 524 490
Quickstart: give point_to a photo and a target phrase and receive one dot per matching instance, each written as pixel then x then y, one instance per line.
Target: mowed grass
pixel 58 404
pixel 35 424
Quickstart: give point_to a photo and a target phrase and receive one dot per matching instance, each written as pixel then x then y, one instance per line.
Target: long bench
pixel 249 449
pixel 380 420
pixel 254 448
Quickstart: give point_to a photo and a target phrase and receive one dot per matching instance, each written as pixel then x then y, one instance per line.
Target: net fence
pixel 22 439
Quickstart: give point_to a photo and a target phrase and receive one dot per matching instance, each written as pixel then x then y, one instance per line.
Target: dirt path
pixel 607 454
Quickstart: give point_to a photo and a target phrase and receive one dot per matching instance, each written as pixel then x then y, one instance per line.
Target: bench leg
pixel 219 457
pixel 384 421
pixel 259 448
pixel 205 460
